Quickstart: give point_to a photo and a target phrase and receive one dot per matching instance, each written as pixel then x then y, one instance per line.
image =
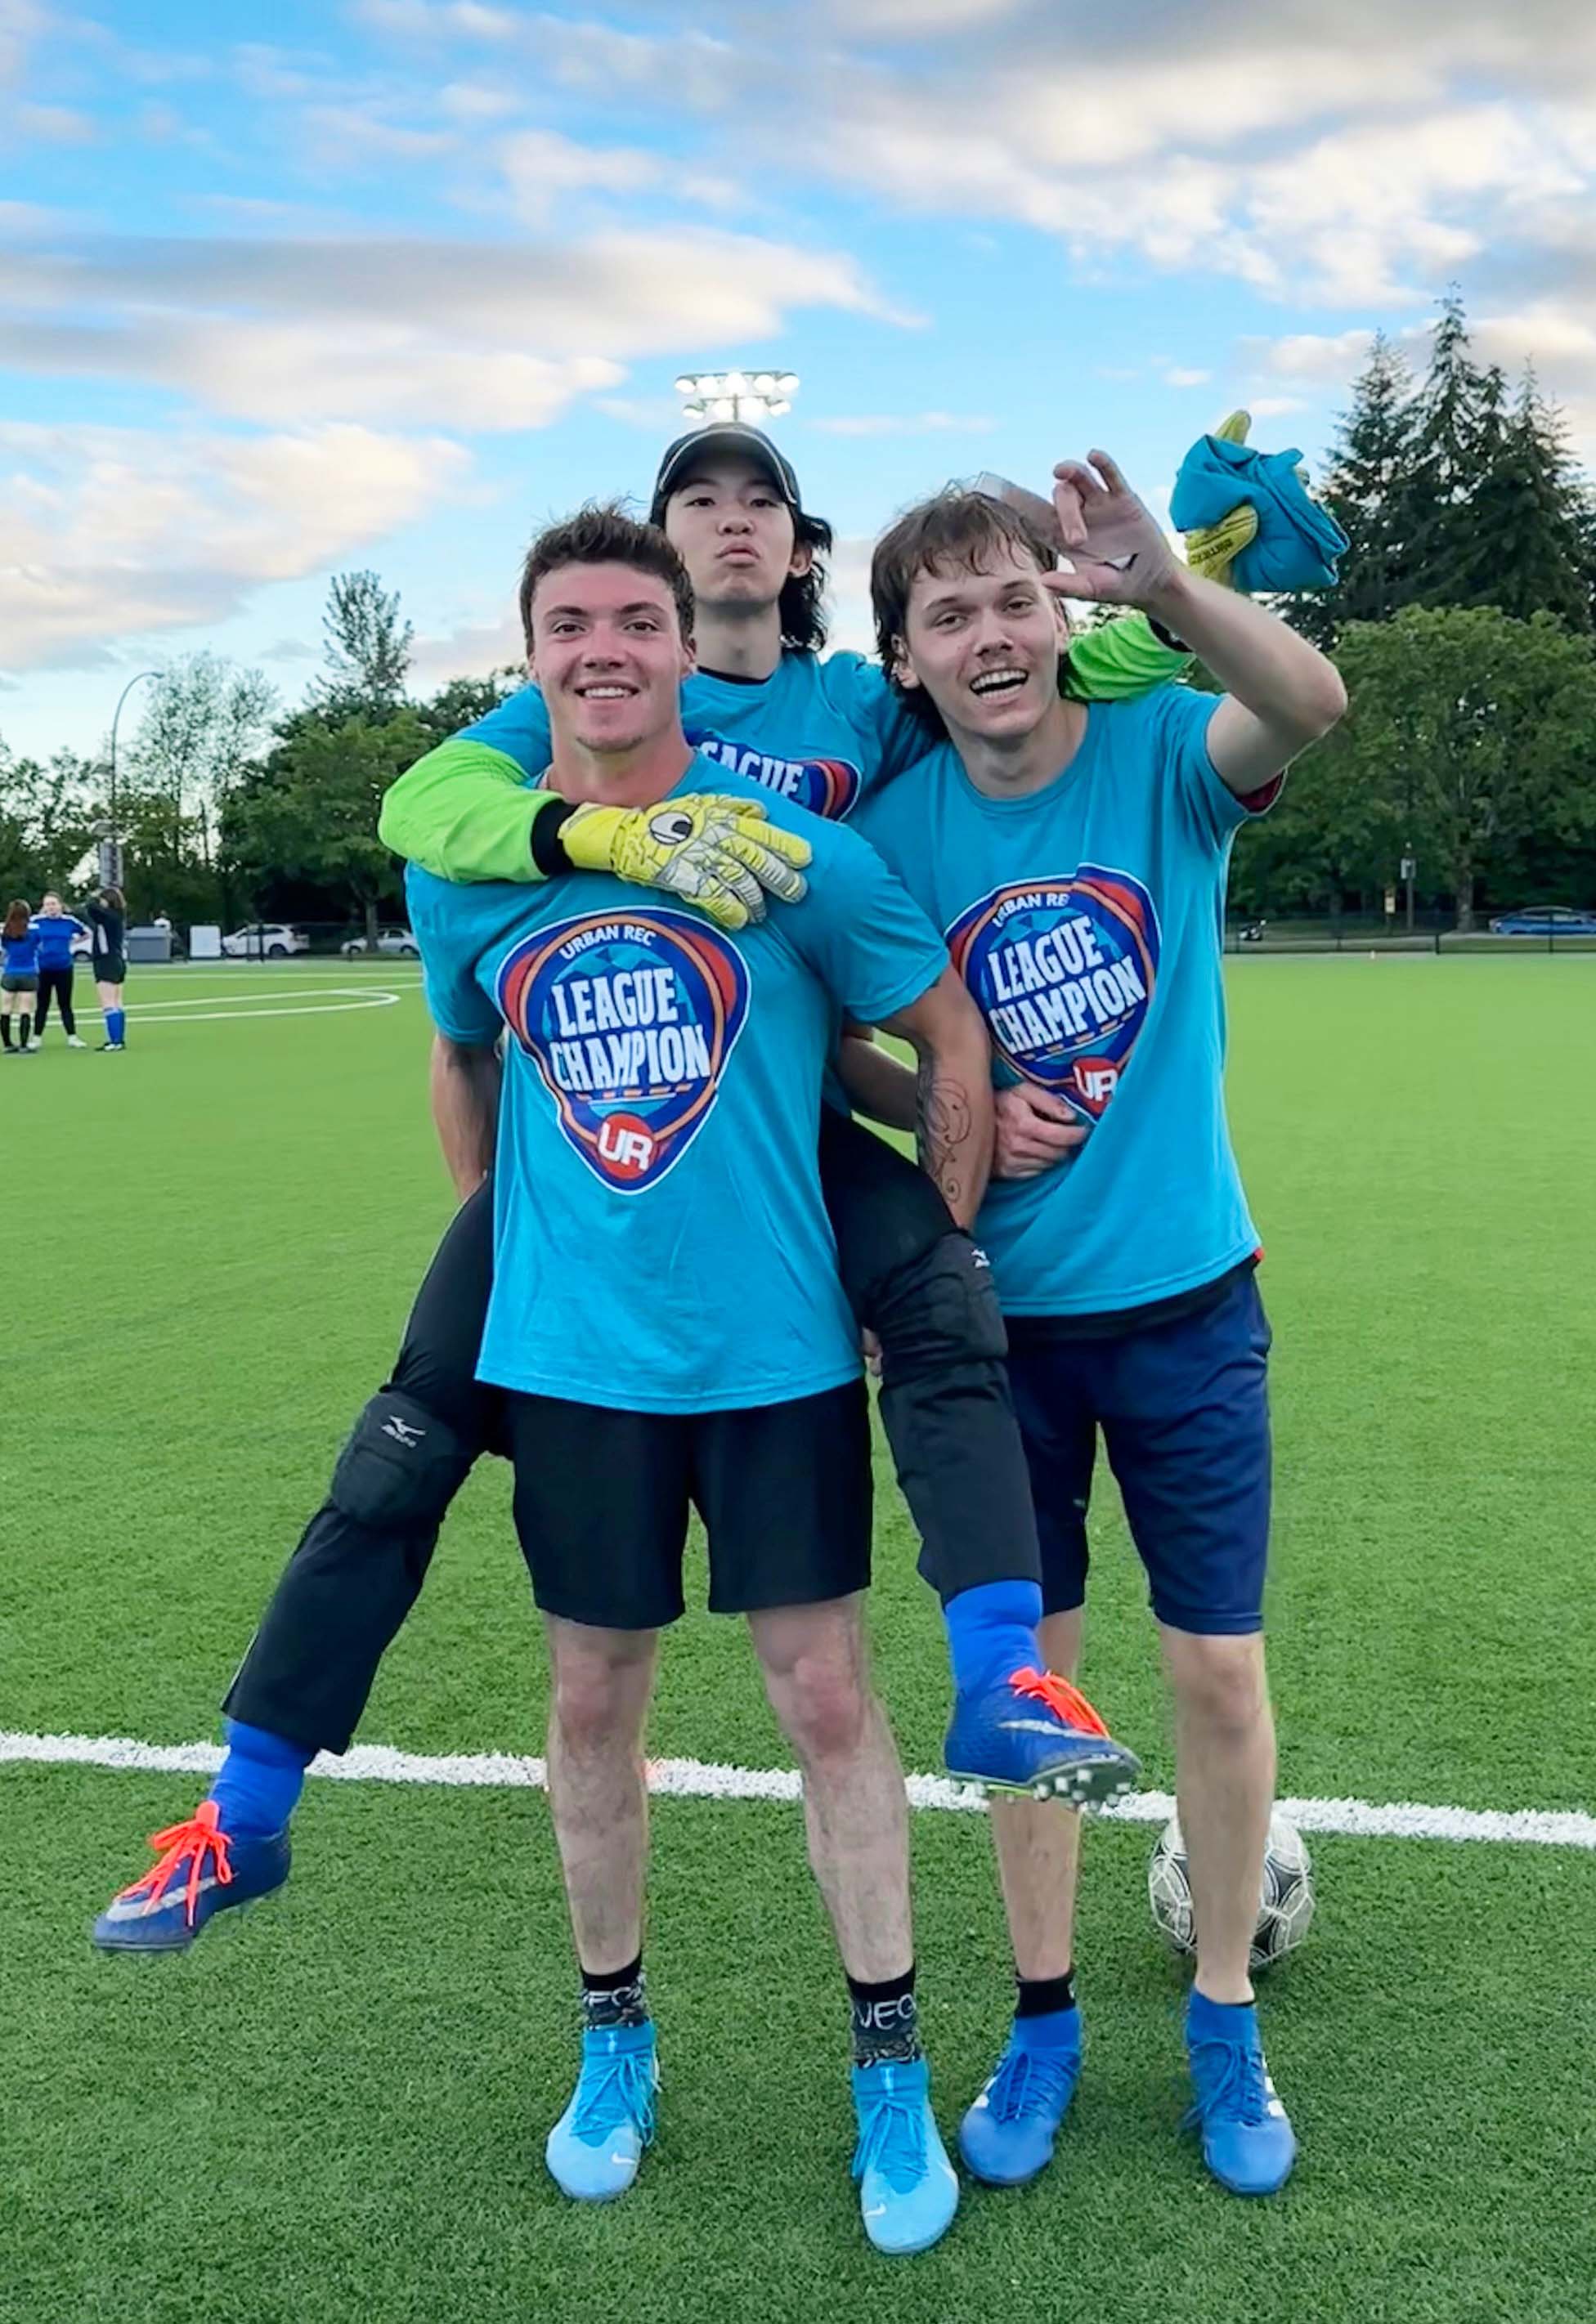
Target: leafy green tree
pixel 464 700
pixel 1473 731
pixel 367 648
pixel 47 823
pixel 310 810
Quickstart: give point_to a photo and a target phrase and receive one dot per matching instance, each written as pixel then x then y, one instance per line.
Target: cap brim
pixel 725 436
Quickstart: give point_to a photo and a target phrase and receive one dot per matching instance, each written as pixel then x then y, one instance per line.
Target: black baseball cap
pixel 723 435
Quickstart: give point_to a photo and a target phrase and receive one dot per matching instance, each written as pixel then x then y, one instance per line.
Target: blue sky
pixel 396 280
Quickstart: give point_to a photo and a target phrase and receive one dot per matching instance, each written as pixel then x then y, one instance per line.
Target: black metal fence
pixel 1374 933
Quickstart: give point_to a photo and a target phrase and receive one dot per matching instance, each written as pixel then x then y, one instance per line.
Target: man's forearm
pixel 465 812
pixel 954 1128
pixel 465 1084
pixel 1286 683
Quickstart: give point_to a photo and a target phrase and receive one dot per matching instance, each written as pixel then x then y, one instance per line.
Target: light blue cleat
pixel 908 2191
pixel 595 2146
pixel 1247 2141
pixel 1007 2135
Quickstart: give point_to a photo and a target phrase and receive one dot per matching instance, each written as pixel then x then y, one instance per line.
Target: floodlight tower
pixel 752 395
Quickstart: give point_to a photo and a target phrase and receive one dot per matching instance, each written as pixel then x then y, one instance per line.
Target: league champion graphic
pixel 827 787
pixel 630 1019
pixel 1064 971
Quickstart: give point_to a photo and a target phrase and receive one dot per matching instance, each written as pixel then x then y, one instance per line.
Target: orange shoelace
pixel 193 1840
pixel 1059 1695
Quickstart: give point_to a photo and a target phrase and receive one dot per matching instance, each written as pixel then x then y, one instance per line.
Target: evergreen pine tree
pixel 1368 489
pixel 1533 512
pixel 1450 418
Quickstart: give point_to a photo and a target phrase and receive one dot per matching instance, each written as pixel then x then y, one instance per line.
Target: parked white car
pixel 265 940
pixel 394 944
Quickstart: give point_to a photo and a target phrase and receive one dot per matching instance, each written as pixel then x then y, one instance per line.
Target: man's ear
pixel 801 561
pixel 901 667
pixel 690 655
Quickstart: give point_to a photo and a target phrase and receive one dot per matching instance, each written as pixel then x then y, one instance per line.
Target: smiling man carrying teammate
pixel 1074 857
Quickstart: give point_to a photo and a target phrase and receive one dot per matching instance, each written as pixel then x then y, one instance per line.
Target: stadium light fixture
pixel 116 720
pixel 719 395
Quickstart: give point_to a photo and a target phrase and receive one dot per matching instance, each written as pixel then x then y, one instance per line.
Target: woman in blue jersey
pixel 108 914
pixel 19 977
pixel 58 931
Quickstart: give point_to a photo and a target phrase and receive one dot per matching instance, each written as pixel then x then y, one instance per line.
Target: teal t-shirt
pixel 661 1244
pixel 1087 921
pixel 819 732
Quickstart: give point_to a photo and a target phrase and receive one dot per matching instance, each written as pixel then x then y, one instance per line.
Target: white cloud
pixel 1174 376
pixel 542 168
pixel 437 19
pixel 55 124
pixel 110 532
pixel 475 100
pixel 911 423
pixel 404 333
pixel 471 650
pixel 1309 355
pixel 1275 407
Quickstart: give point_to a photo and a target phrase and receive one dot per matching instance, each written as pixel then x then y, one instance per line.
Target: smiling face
pixel 733 532
pixel 608 652
pixel 984 645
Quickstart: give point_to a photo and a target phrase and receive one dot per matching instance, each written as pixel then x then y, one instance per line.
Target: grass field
pixel 335 2107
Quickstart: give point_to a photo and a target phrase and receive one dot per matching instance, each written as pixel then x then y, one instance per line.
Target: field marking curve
pixel 380 1762
pixel 244 1013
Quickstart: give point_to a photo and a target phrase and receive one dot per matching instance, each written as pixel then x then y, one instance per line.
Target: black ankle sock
pixel 615 1996
pixel 886 2021
pixel 5 1029
pixel 1041 1996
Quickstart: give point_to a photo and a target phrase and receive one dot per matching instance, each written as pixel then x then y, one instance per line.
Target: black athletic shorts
pixel 602 1501
pixel 111 970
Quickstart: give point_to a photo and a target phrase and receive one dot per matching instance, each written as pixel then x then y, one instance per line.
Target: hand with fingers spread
pixel 722 855
pixel 1035 1132
pixel 1118 550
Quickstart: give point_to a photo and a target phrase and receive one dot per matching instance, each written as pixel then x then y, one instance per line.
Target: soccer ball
pixel 1284 1907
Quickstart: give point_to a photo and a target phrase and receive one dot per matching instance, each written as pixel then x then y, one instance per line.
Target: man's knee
pixel 401 1466
pixel 939 1309
pixel 598 1692
pixel 1219 1682
pixel 820 1692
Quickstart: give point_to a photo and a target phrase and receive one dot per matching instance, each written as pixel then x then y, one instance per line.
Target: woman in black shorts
pixel 107 916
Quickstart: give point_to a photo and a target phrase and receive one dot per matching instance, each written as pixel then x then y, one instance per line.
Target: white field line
pixel 244 1007
pixel 378 1763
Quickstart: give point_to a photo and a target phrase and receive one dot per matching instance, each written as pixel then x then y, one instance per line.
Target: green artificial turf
pixel 335 2107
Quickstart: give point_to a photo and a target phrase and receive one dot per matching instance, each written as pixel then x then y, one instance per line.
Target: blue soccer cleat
pixel 1035 1732
pixel 201 1870
pixel 1007 2135
pixel 595 2146
pixel 1248 2142
pixel 908 2191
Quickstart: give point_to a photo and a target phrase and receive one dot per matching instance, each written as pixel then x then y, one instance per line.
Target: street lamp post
pixel 116 843
pixel 755 395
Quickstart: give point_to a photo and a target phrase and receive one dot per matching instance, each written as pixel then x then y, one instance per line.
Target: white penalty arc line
pixel 698 1779
pixel 243 1011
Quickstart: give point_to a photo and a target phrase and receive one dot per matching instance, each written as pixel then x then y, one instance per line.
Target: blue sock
pixel 992 1630
pixel 258 1785
pixel 116 1019
pixel 1220 2021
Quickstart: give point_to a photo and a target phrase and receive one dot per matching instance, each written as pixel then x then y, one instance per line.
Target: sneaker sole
pixel 1087 1784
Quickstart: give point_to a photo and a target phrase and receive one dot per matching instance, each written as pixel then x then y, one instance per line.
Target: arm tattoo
pixel 943 1130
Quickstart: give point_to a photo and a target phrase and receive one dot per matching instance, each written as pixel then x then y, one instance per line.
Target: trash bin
pixel 147 946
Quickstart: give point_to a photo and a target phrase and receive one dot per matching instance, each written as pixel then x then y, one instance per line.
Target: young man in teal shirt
pixel 1074 857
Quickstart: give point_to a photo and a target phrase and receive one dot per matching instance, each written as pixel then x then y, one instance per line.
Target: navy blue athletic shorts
pixel 1182 1406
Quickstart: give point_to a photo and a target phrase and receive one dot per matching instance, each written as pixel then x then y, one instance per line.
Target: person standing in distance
pixel 57 932
pixel 107 914
pixel 19 977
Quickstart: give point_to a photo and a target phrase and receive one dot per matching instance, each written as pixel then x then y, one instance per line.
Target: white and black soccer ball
pixel 1284 1907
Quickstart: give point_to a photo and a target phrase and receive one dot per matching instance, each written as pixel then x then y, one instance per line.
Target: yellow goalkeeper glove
pixel 1211 549
pixel 722 855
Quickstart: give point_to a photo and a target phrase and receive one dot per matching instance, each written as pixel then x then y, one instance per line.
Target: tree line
pixel 1465 623
pixel 230 808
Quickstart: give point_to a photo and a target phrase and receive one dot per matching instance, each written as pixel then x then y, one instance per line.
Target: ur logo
pixel 629 1020
pixel 827 787
pixel 1063 971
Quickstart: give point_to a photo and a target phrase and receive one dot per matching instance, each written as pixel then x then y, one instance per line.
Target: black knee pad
pixel 401 1466
pixel 940 1309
